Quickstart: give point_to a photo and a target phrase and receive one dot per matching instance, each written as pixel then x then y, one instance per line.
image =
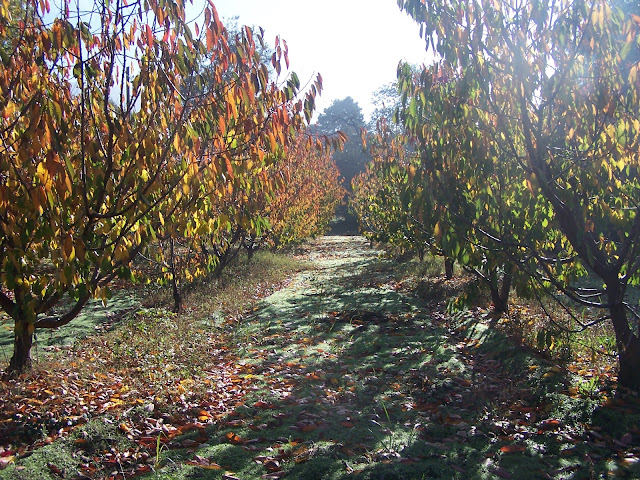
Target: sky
pixel 354 44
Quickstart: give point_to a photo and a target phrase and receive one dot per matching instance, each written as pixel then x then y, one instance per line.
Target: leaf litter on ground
pixel 343 373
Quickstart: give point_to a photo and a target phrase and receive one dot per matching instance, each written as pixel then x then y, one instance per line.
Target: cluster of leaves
pixel 291 198
pixel 389 206
pixel 309 193
pixel 525 135
pixel 132 135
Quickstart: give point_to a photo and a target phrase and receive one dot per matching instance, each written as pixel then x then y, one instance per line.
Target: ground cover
pixel 347 371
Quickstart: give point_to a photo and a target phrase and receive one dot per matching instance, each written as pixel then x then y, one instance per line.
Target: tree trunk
pixel 500 293
pixel 629 359
pixel 177 299
pixel 448 268
pixel 23 339
pixel 627 343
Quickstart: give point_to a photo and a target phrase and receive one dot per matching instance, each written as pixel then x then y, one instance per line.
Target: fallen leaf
pixel 273 476
pixel 55 469
pixel 5 461
pixel 306 427
pixel 512 449
pixel 626 439
pixel 235 439
pixel 272 465
pixel 550 424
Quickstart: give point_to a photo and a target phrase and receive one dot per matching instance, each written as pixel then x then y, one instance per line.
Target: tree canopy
pixel 128 134
pixel 526 134
pixel 345 116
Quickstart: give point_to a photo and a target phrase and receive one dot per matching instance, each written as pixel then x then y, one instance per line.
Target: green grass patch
pixel 346 373
pixel 89 322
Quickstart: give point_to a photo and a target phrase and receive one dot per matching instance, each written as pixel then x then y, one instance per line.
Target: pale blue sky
pixel 354 44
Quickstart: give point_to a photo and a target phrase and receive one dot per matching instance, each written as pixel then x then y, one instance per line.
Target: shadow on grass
pixel 353 379
pixel 94 317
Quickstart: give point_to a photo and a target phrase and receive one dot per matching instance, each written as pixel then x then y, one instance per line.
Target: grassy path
pixel 344 373
pixel 354 378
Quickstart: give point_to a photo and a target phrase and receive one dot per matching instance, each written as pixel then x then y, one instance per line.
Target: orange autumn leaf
pixel 235 439
pixel 512 449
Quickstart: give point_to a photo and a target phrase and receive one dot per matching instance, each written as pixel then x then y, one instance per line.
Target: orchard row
pixel 128 134
pixel 519 156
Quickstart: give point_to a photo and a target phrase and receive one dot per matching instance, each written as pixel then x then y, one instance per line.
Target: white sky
pixel 354 44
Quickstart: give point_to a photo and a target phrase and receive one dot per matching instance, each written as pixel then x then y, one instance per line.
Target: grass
pixel 348 371
pixel 93 319
pixel 381 387
pixel 152 363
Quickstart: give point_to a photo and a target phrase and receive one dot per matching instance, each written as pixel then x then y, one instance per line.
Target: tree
pixel 99 144
pixel 468 181
pixel 548 88
pixel 386 101
pixel 222 208
pixel 345 116
pixel 308 193
pixel 390 207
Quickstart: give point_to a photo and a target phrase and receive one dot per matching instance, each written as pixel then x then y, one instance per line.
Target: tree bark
pixel 628 344
pixel 448 268
pixel 177 298
pixel 22 341
pixel 500 293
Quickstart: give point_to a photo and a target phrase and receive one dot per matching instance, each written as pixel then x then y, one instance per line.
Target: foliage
pixel 388 206
pixel 345 116
pixel 526 132
pixel 547 91
pixel 386 102
pixel 526 137
pixel 308 194
pixel 114 138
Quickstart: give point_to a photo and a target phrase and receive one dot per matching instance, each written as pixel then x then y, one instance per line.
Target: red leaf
pixel 512 449
pixel 229 168
pixel 307 427
pixel 149 36
pixel 548 425
pixel 210 40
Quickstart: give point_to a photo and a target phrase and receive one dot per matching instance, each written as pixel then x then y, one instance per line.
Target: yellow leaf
pixel 121 253
pixel 68 248
pixel 437 232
